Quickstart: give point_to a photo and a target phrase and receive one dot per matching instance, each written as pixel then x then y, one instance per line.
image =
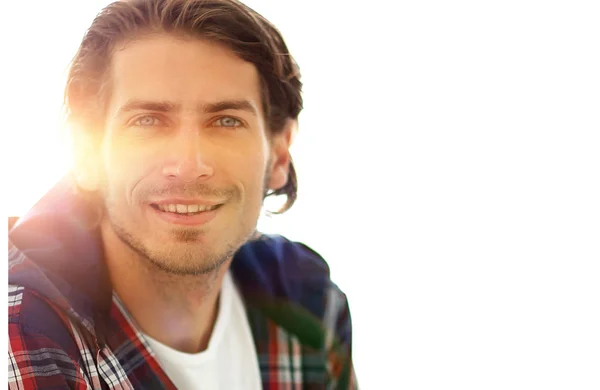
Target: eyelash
pixel 135 122
pixel 239 123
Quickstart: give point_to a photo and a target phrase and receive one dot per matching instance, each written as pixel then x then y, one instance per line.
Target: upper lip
pixel 201 202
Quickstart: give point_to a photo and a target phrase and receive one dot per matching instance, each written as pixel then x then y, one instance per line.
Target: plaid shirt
pixel 68 330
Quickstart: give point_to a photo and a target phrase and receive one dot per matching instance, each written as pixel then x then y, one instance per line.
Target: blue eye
pixel 146 121
pixel 228 121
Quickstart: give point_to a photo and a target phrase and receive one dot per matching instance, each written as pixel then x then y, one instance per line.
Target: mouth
pixel 182 209
pixel 188 214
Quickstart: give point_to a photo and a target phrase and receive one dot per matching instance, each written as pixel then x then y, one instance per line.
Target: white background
pixel 448 161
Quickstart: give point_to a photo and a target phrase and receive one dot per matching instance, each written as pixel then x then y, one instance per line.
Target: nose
pixel 188 159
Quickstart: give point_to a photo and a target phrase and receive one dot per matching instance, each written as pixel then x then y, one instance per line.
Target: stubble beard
pixel 186 262
pixel 183 263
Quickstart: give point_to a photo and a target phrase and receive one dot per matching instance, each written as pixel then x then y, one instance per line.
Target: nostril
pixel 187 170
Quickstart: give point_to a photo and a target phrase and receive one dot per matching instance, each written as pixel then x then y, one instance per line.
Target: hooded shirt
pixel 66 329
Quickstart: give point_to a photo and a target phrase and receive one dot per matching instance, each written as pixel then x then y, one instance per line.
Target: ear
pixel 280 155
pixel 86 162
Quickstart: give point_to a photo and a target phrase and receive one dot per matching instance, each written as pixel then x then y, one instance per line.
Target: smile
pixel 190 209
pixel 186 214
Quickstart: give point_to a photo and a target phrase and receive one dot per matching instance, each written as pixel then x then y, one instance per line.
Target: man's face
pixel 184 133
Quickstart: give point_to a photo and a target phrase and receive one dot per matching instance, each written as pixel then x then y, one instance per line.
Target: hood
pixel 57 255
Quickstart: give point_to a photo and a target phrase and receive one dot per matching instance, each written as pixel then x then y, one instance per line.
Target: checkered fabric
pixel 68 330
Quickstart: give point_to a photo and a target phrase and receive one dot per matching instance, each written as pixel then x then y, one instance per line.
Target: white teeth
pixel 184 209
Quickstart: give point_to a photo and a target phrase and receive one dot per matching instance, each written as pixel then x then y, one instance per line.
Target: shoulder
pixel 289 272
pixel 41 349
pixel 283 268
pixel 290 284
pixel 35 322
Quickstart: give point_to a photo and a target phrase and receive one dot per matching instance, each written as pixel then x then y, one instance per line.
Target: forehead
pixel 186 71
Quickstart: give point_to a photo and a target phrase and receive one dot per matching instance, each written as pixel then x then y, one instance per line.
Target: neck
pixel 176 310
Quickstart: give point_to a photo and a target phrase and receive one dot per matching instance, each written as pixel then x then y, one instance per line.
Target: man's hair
pixel 227 22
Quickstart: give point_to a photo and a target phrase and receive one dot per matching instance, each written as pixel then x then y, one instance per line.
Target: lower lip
pixel 184 219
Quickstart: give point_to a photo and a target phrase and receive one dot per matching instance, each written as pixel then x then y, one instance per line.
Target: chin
pixel 185 261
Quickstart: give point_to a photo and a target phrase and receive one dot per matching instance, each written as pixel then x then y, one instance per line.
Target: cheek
pixel 253 167
pixel 248 169
pixel 124 168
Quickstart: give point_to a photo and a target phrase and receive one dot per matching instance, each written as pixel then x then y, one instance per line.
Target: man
pixel 144 268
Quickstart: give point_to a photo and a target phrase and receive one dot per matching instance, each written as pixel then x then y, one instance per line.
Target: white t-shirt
pixel 229 362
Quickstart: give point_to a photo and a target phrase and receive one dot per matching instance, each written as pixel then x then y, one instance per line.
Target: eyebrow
pixel 240 105
pixel 207 108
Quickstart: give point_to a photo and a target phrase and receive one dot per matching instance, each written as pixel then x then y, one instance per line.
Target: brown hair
pixel 228 22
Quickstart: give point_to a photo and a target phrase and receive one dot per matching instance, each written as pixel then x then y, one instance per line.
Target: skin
pixel 169 275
